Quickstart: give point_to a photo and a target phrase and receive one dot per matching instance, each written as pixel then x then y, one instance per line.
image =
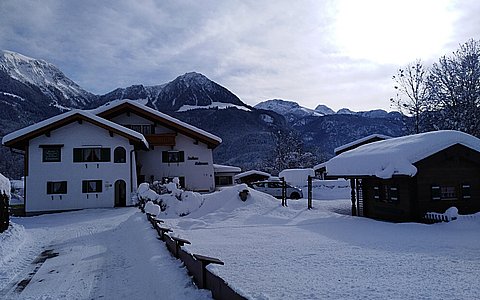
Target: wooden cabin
pixel 251 176
pixel 401 179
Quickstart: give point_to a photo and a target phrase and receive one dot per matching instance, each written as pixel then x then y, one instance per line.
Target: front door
pixel 120 193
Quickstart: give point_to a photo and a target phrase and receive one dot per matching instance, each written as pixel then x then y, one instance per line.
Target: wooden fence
pixel 4 213
pixel 195 263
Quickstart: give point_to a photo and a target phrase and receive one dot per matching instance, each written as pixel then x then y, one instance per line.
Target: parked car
pixel 274 188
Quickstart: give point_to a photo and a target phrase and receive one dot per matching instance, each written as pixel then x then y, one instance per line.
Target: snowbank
pixel 10 242
pixel 175 202
pixel 5 186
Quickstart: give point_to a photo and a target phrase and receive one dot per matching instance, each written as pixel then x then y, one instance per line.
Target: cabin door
pixel 120 193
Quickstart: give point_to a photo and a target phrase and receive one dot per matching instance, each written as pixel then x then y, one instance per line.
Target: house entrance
pixel 120 193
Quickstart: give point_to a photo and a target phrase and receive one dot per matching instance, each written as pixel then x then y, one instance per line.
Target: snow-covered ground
pixel 270 252
pixel 102 254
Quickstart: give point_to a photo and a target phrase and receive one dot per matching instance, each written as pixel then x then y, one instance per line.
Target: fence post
pixel 4 213
pixel 310 206
pixel 284 192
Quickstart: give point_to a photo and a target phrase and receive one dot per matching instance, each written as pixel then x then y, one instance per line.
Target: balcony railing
pixel 162 139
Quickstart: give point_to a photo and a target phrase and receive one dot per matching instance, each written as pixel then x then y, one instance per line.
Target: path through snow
pixel 103 254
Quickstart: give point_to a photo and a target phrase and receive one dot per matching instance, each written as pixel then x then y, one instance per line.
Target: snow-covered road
pixel 102 254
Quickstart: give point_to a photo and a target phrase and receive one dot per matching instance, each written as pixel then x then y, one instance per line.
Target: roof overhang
pixel 128 106
pixel 19 139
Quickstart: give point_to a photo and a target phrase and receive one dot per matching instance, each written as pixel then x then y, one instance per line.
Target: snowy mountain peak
pixel 290 109
pixel 325 110
pixel 192 78
pixel 48 78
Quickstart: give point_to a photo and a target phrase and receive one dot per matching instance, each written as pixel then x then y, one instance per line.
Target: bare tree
pixel 412 93
pixel 454 90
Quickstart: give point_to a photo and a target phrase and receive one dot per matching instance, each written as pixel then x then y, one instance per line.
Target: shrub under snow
pixel 172 199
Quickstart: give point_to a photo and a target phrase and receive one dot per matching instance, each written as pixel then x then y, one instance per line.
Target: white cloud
pixel 341 53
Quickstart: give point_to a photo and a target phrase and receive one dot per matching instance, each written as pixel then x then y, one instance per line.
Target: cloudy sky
pixel 338 53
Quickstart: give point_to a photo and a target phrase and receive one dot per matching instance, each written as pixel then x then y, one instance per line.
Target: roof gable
pixel 397 156
pixel 19 139
pixel 365 140
pixel 119 107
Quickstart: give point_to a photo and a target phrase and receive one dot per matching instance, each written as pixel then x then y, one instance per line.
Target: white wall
pixel 75 135
pixel 197 177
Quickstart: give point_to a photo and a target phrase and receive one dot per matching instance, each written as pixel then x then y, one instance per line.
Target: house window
pixel 223 180
pixel 173 156
pixel 466 193
pixel 56 187
pixel 91 154
pixel 119 155
pixel 51 153
pixel 143 129
pixel 91 186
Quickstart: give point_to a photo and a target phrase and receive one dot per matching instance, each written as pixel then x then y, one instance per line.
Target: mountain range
pixel 32 90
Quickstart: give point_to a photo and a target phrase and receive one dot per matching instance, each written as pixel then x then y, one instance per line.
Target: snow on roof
pixel 42 124
pixel 359 141
pixel 297 177
pixel 251 172
pixel 113 104
pixel 319 166
pixel 396 156
pixel 226 169
pixel 4 185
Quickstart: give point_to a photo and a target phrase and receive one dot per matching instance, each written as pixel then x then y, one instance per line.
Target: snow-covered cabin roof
pixel 19 139
pixel 396 156
pixel 251 172
pixel 364 140
pixel 4 185
pixel 320 166
pixel 115 108
pixel 225 169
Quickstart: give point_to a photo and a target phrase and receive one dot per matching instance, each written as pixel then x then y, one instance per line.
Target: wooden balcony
pixel 163 139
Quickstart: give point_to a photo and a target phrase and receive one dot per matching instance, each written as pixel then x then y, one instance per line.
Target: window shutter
pixel 165 156
pixel 49 187
pixel 77 155
pixel 436 193
pixel 85 186
pixel 99 186
pixel 105 154
pixel 181 156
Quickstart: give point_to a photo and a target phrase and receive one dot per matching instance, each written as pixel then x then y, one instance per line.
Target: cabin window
pixel 386 193
pixel 444 192
pixel 91 186
pixel 448 193
pixel 466 193
pixel 51 153
pixel 91 154
pixel 223 180
pixel 119 155
pixel 173 156
pixel 56 187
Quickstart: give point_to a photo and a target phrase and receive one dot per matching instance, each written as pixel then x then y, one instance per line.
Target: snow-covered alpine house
pixel 401 179
pixel 85 159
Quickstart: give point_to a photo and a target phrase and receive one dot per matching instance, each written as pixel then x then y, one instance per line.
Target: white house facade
pixel 81 159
